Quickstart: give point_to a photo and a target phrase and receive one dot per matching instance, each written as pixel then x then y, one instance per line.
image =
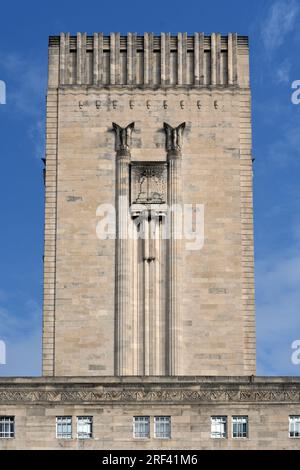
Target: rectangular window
pixel 84 427
pixel 219 427
pixel 294 426
pixel 64 427
pixel 7 426
pixel 162 427
pixel 141 427
pixel 239 426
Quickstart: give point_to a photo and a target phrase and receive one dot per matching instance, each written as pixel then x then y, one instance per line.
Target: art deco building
pixel 149 327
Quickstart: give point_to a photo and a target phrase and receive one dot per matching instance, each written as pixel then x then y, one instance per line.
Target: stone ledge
pixel 165 390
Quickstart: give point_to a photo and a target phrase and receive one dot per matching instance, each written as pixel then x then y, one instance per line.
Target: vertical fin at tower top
pixel 192 61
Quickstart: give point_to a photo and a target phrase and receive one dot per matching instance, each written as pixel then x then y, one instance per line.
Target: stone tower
pixel 149 338
pixel 143 125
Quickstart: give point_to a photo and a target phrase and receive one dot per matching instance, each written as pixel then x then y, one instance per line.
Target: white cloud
pixel 280 21
pixel 25 95
pixel 283 72
pixel 25 83
pixel 278 311
pixel 22 335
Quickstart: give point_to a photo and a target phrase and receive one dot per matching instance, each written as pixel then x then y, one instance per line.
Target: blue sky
pixel 274 48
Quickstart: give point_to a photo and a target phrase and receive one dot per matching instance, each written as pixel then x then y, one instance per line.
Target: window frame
pixel 135 420
pixel 247 428
pixel 290 422
pixel 67 417
pixel 225 422
pixel 156 418
pixel 83 417
pixel 10 420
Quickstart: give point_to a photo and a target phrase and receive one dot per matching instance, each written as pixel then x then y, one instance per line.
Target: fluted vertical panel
pixel 230 62
pixel 174 198
pixel 146 58
pixel 234 59
pixel 196 59
pixel 165 58
pixel 179 59
pixel 100 59
pixel 62 61
pixel 201 58
pixel 112 58
pixel 218 59
pixel 118 59
pixel 213 69
pixel 96 59
pixel 79 59
pixel 147 329
pixel 123 364
pixel 134 59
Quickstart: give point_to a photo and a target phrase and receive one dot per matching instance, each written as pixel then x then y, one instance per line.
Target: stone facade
pixel 113 402
pixel 142 326
pixel 99 318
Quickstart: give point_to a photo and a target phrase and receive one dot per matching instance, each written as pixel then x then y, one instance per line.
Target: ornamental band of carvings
pixel 149 183
pixel 154 396
pixel 123 137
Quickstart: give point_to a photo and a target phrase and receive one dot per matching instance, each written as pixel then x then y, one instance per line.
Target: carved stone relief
pixel 148 183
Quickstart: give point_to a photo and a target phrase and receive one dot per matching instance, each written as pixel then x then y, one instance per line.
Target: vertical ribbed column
pixel 174 140
pixel 162 283
pixel 124 311
pixel 131 58
pixel 218 59
pixel 160 300
pixel 174 198
pixel 196 60
pixel 213 58
pixel 96 59
pixel 135 297
pixel 151 59
pixel 232 59
pixel 199 59
pixel 115 58
pixel 84 71
pixel 123 323
pixel 100 59
pixel 134 59
pixel 179 59
pixel 79 59
pixel 229 56
pixel 168 58
pixel 182 58
pixel 146 59
pixel 62 58
pixel 112 58
pixel 165 58
pixel 147 296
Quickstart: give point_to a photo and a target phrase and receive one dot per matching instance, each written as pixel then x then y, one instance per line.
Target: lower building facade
pixel 150 413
